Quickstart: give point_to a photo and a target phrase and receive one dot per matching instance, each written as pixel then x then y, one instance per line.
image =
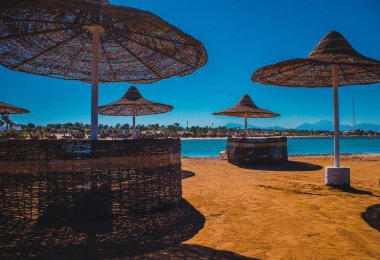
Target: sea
pixel 296 146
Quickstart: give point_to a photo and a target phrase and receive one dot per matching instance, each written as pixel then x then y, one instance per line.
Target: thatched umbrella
pixel 247 109
pixel 133 104
pixel 333 63
pixel 6 109
pixel 91 40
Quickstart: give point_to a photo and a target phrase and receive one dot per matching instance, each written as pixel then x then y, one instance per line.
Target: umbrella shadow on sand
pixel 286 166
pixel 372 216
pixel 187 174
pixel 356 191
pixel 185 251
pixel 96 233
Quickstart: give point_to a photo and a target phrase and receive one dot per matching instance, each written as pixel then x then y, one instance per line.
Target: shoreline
pixel 349 155
pixel 290 137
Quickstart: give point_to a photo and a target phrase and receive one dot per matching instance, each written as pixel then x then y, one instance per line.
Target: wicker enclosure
pixel 248 151
pixel 62 178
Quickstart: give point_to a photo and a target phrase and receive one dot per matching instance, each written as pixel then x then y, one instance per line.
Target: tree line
pixel 80 130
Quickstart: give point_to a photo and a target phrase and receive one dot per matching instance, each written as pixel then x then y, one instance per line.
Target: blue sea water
pixel 296 146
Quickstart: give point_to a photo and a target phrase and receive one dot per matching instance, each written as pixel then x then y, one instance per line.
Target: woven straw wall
pixel 257 150
pixel 103 177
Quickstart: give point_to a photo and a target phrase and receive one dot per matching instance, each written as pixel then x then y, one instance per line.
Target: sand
pixel 286 211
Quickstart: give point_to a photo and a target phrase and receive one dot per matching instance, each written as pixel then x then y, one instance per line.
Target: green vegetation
pixel 80 131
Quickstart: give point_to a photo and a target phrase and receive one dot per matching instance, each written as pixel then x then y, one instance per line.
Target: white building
pixel 16 128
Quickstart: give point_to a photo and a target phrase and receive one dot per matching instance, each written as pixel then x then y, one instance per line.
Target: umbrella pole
pixel 336 176
pixel 245 126
pixel 95 81
pixel 336 116
pixel 134 125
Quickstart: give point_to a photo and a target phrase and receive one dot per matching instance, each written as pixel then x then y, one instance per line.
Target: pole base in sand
pixel 337 176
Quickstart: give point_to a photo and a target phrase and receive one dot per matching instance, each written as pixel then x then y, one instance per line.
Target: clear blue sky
pixel 240 36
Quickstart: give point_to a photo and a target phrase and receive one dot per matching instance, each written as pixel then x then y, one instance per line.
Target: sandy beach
pixel 286 211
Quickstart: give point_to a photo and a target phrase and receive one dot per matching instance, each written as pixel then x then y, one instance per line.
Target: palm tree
pixel 125 127
pixel 7 121
pixel 154 127
pixel 176 125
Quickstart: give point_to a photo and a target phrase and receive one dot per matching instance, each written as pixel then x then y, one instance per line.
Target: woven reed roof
pixel 52 38
pixel 133 100
pixel 316 69
pixel 247 109
pixel 6 109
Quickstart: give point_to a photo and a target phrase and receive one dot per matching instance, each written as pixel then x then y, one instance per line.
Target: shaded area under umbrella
pixel 7 109
pixel 332 63
pixel 94 41
pixel 118 236
pixel 134 104
pixel 246 108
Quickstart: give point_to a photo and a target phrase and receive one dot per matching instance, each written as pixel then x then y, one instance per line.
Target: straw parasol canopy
pixel 94 41
pixel 316 69
pixel 6 109
pixel 246 108
pixel 134 104
pixel 332 63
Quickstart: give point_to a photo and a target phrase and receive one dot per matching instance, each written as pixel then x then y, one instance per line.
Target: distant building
pixel 16 128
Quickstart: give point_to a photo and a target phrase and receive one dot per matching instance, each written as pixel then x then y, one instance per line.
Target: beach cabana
pixel 94 41
pixel 332 63
pixel 134 104
pixel 253 150
pixel 91 41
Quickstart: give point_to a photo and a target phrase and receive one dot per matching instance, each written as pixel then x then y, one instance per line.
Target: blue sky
pixel 240 36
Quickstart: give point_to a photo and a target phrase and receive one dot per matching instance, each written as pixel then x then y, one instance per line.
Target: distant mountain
pixel 233 125
pixel 323 125
pixel 241 126
pixel 271 128
pixel 368 127
pixel 326 125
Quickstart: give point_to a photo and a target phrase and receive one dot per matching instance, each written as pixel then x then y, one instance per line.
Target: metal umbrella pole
pixel 336 116
pixel 95 30
pixel 134 124
pixel 245 126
